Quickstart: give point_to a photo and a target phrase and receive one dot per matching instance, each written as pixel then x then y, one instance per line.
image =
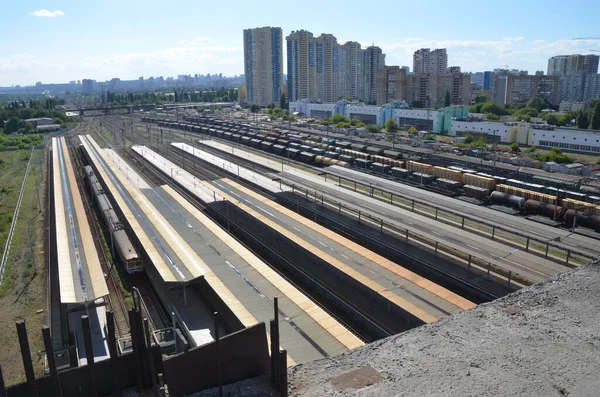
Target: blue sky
pixel 61 40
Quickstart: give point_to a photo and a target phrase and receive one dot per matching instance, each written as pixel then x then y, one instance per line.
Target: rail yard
pixel 341 243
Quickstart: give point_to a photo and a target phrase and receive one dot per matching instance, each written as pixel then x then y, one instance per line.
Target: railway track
pixel 149 301
pixel 115 299
pixel 212 173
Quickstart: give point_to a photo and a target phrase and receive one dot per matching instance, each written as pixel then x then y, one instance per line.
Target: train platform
pixel 412 293
pixel 173 264
pixel 97 317
pixel 81 279
pixel 235 169
pixel 529 266
pixel 245 284
pixel 560 238
pixel 306 330
pixel 174 260
pixel 242 152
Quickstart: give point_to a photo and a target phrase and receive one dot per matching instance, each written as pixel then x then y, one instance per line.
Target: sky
pixel 56 41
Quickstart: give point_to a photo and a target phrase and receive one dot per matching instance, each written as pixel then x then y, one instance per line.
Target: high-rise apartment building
pixel 592 87
pixel 487 80
pixel 391 83
pixel 426 61
pixel 567 65
pixel 351 70
pixel 87 85
pixel 301 66
pixel 326 47
pixel 373 63
pixel 521 88
pixel 429 90
pixel 263 65
pixel 571 88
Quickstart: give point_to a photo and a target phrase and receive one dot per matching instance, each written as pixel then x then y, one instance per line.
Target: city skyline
pixel 66 40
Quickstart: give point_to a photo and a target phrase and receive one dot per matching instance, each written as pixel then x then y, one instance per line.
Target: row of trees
pixel 275 112
pixel 14 114
pixel 218 95
pixel 585 118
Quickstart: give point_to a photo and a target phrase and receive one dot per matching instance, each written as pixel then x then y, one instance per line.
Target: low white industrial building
pixel 569 139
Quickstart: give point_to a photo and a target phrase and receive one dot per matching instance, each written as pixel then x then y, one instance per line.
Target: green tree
pixel 583 121
pixel 537 104
pixel 492 107
pixel 551 118
pixel 412 131
pixel 531 149
pixel 254 108
pixel 390 125
pixel 373 129
pixel 514 147
pixel 595 122
pixel 480 99
pixel 417 104
pixel 338 118
pixel 469 138
pixel 447 100
pixel 15 124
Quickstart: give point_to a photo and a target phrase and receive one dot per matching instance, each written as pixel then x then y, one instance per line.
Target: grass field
pixel 23 290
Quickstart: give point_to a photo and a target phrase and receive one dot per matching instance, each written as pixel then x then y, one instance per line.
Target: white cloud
pixel 171 61
pixel 200 40
pixel 47 14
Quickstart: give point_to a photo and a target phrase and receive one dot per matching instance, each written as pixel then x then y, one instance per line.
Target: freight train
pixel 317 150
pixel 120 242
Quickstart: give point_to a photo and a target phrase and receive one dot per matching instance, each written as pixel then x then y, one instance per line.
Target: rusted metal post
pixel 150 355
pixel 2 385
pixel 26 356
pixel 274 339
pixel 219 374
pixel 509 277
pixel 51 360
pixel 136 348
pixel 89 353
pixel 112 348
pixel 493 232
pixel 282 384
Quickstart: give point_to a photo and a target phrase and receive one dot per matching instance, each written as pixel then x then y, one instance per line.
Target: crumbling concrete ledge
pixel 543 340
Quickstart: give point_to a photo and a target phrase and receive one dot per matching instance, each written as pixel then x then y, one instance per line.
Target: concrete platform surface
pixel 540 341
